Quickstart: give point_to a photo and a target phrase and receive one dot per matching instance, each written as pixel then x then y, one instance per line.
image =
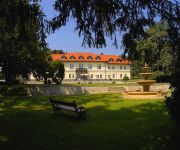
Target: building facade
pixel 93 66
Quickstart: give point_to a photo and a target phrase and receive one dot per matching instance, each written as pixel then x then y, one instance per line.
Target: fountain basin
pixel 141 93
pixel 146 82
pixel 146 75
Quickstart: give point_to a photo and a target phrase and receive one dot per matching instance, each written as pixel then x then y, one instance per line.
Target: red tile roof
pixel 77 55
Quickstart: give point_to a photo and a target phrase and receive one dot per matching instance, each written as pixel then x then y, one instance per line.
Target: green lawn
pixel 112 124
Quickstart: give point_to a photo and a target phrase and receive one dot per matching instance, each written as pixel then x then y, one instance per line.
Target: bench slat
pixel 67 107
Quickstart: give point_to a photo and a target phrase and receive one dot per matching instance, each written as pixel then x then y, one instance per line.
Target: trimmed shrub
pixel 3 90
pixel 125 78
pixel 19 90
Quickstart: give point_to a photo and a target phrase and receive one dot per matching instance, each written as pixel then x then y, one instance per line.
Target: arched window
pixel 81 57
pixel 118 60
pixel 89 58
pixel 63 57
pixel 72 57
pixel 111 60
pixel 98 58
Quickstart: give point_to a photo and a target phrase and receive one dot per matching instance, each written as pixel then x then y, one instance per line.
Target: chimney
pixel 101 53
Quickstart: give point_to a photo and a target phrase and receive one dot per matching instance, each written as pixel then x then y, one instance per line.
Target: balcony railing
pixel 81 69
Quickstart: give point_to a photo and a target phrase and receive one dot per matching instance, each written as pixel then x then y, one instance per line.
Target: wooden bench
pixel 58 106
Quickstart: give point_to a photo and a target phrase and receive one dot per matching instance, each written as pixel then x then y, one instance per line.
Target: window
pixel 71 66
pixel 118 60
pixel 89 66
pixel 113 67
pixel 113 76
pixel 72 76
pixel 81 57
pixel 69 76
pixel 80 65
pixel 100 76
pixel 109 76
pixel 111 60
pixel 109 67
pixel 120 67
pixel 99 66
pixel 124 67
pixel 120 75
pixel 72 57
pixel 98 58
pixel 63 57
pixel 91 76
pixel 97 76
pixel 89 58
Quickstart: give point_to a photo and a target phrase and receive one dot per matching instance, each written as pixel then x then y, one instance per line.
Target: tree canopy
pixel 22 37
pixel 156 50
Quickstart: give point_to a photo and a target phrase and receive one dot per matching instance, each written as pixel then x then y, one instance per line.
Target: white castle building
pixel 92 66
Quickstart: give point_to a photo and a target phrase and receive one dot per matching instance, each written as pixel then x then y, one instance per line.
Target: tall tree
pixel 156 49
pixel 57 71
pixel 21 36
pixel 96 19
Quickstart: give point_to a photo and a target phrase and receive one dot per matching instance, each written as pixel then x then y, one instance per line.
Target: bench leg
pixel 81 115
pixel 56 110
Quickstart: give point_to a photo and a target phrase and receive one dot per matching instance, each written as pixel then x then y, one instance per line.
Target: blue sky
pixel 68 40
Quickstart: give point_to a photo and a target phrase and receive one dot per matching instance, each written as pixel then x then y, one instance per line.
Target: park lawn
pixel 112 123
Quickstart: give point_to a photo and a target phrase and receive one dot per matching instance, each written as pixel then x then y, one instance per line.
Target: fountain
pixel 145 83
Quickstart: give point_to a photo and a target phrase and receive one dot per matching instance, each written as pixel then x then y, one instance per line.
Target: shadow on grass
pixel 143 126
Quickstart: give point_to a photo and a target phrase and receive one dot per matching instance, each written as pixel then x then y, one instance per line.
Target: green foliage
pixel 156 49
pixel 18 90
pixel 125 78
pixel 3 90
pixel 57 71
pixel 21 37
pixel 136 68
pixel 113 82
pixel 42 65
pixel 161 77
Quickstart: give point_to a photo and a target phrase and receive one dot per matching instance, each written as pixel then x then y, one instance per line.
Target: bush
pixel 3 90
pixel 163 78
pixel 49 82
pixel 13 90
pixel 125 78
pixel 113 82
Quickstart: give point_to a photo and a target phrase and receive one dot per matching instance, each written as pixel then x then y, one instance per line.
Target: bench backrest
pixel 64 105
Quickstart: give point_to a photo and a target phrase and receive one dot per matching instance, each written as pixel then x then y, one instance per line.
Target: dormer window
pixel 63 57
pixel 111 60
pixel 72 57
pixel 98 58
pixel 118 60
pixel 89 58
pixel 81 57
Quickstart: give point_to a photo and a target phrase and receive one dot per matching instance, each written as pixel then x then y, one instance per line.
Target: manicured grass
pixel 112 124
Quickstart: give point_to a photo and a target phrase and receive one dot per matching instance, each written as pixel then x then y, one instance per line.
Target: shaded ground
pixel 112 123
